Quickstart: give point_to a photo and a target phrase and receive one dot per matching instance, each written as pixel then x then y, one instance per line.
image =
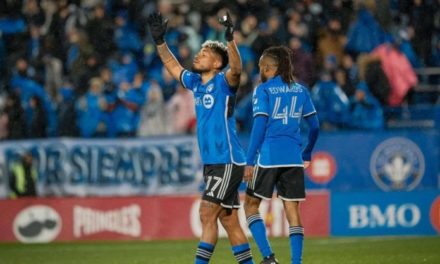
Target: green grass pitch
pixel 389 250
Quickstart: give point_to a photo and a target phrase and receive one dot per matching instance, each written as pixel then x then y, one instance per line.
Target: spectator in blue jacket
pixel 67 126
pixel 126 114
pixel 365 33
pixel 331 102
pixel 125 36
pixel 366 111
pixel 90 111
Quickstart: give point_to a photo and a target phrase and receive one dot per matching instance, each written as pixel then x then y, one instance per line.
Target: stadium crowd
pixel 89 68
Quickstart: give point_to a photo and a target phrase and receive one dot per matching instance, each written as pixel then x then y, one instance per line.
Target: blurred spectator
pixel 67 118
pixel 38 125
pixel 3 125
pixel 15 116
pixel 350 68
pixel 88 71
pixel 331 102
pixel 23 178
pixel 366 111
pixel 331 42
pixel 3 67
pixel 246 53
pixel 123 69
pixel 90 111
pixel 52 68
pixel 181 111
pixel 129 101
pixel 365 33
pixel 78 51
pixel 249 29
pixel 303 64
pixel 403 41
pixel 398 70
pixel 421 19
pixel 154 119
pixel 101 28
pixel 3 117
pixel 268 33
pixel 243 114
pixel 185 56
pixel 33 13
pixel 126 37
pixel 370 71
pixel 344 82
pixel 168 85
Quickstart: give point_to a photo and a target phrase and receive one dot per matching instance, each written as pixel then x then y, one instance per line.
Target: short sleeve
pixel 225 85
pixel 188 79
pixel 308 108
pixel 260 102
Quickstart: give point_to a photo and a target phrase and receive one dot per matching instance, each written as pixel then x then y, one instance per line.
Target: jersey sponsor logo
pixel 322 168
pixel 435 214
pixel 208 101
pixel 89 221
pixel 37 224
pixel 397 164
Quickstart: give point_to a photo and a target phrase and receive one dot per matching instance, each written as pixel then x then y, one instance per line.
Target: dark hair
pixel 218 48
pixel 283 57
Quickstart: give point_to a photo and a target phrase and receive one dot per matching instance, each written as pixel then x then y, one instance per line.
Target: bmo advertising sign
pixel 400 213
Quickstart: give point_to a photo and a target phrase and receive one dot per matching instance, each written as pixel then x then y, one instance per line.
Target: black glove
pixel 158 27
pixel 227 22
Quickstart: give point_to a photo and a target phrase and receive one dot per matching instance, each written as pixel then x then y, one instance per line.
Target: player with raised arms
pixel 221 153
pixel 279 105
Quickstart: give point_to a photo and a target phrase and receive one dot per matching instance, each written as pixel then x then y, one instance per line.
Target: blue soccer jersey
pixel 216 132
pixel 284 105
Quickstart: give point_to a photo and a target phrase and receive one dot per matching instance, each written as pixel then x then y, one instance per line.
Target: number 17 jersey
pixel 285 104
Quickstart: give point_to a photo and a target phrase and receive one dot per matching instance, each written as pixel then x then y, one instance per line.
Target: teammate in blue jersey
pixel 220 150
pixel 279 105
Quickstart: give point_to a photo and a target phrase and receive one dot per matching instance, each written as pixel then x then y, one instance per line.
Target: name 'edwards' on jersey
pixel 284 105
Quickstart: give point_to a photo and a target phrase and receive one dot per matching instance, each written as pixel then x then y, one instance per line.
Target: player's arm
pixel 234 71
pixel 257 137
pixel 260 109
pixel 313 123
pixel 158 27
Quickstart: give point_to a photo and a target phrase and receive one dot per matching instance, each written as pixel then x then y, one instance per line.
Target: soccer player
pixel 279 104
pixel 220 150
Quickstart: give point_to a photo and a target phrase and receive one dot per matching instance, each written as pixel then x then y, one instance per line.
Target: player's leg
pixel 261 187
pixel 240 245
pixel 296 230
pixel 215 177
pixel 291 190
pixel 209 213
pixel 229 214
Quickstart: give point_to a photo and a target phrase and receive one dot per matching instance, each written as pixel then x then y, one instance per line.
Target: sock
pixel 243 253
pixel 296 234
pixel 258 230
pixel 204 253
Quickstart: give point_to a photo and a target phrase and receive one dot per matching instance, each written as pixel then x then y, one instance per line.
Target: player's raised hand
pixel 158 27
pixel 227 22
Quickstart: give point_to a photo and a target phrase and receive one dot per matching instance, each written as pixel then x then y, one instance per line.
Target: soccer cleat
pixel 270 260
